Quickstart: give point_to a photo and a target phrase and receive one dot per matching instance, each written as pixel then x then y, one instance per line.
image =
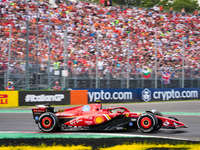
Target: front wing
pixel 170 123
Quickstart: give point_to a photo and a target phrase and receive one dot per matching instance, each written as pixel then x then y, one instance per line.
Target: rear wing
pixel 37 112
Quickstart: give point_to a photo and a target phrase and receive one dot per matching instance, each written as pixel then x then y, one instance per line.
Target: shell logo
pixel 99 119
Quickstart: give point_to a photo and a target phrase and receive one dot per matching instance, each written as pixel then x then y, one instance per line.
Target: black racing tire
pixel 48 122
pixel 159 126
pixel 147 122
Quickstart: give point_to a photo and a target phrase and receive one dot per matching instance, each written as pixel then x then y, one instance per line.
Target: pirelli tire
pixel 147 122
pixel 48 122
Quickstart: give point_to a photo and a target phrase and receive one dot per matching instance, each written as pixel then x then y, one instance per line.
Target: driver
pixel 110 110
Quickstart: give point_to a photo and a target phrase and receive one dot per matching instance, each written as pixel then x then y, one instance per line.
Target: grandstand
pixel 113 24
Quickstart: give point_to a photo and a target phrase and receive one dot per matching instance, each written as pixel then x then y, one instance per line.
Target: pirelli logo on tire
pixel 9 98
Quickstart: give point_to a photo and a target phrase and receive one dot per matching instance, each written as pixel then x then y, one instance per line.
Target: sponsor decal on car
pixel 133 119
pixel 39 110
pixel 127 114
pixel 130 124
pixel 86 108
pixel 107 117
pixel 75 121
pixel 88 122
pixel 98 119
pixel 36 117
pixel 63 115
pixel 89 118
pixel 166 123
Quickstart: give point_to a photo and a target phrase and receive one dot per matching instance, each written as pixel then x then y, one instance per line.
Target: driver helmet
pixel 110 110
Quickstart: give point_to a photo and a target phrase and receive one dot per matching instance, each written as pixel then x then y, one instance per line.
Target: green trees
pixel 166 4
pixel 189 5
pixel 149 3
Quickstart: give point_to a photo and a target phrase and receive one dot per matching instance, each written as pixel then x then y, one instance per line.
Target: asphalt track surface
pixel 188 112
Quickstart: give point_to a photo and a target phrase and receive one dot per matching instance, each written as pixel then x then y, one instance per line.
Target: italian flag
pixel 146 73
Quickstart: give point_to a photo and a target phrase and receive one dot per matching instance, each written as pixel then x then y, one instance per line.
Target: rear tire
pixel 147 122
pixel 48 122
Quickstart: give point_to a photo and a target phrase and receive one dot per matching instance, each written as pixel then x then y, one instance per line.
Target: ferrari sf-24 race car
pixel 93 117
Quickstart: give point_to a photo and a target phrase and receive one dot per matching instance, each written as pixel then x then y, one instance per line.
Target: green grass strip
pixel 15 111
pixel 60 135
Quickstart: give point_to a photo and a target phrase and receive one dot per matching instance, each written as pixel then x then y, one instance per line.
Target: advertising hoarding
pixel 166 94
pixel 111 95
pixel 8 98
pixel 31 98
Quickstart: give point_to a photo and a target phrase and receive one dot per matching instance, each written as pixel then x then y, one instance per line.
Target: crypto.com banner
pixel 111 95
pixel 142 95
pixel 167 94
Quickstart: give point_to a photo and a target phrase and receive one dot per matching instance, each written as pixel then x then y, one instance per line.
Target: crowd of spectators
pixel 87 22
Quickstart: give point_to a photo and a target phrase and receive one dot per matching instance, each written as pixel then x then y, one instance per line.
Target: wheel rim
pixel 46 122
pixel 146 122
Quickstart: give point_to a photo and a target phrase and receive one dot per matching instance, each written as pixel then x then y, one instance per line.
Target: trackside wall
pixel 31 98
pixel 167 94
pixel 78 97
pixel 142 95
pixel 81 97
pixel 74 97
pixel 9 98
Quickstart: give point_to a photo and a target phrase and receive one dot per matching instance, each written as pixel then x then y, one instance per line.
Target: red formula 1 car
pixel 93 117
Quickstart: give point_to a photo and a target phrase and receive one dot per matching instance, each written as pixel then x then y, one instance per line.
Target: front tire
pixel 48 122
pixel 155 112
pixel 147 122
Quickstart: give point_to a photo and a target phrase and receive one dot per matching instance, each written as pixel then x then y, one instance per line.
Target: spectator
pixel 195 13
pixel 113 25
pixel 161 8
pixel 9 87
pixel 108 2
pixel 43 67
pixel 56 64
pixel 171 10
pixel 100 67
pixel 156 8
pixel 57 87
pixel 183 11
pixel 1 68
